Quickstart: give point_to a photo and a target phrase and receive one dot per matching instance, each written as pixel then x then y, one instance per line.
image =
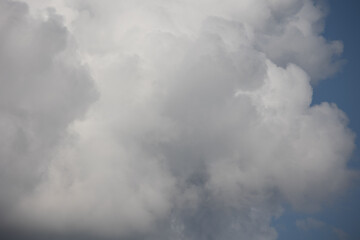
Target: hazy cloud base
pixel 165 119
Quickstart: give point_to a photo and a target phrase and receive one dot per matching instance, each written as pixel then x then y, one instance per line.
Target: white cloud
pixel 203 126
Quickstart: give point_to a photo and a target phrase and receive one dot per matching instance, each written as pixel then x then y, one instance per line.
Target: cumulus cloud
pixel 43 89
pixel 203 126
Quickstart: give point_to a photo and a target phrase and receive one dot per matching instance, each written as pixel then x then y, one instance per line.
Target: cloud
pixel 43 89
pixel 203 126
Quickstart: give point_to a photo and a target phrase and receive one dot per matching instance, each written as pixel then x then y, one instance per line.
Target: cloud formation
pixel 43 89
pixel 202 126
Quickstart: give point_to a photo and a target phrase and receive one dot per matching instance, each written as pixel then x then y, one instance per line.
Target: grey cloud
pixel 203 128
pixel 42 91
pixel 298 41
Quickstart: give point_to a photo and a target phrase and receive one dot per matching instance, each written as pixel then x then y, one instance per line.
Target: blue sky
pixel 344 90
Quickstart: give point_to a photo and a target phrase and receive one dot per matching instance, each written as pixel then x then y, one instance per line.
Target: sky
pixel 343 89
pixel 179 119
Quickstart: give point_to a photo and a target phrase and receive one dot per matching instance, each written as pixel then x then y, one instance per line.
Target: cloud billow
pixel 202 126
